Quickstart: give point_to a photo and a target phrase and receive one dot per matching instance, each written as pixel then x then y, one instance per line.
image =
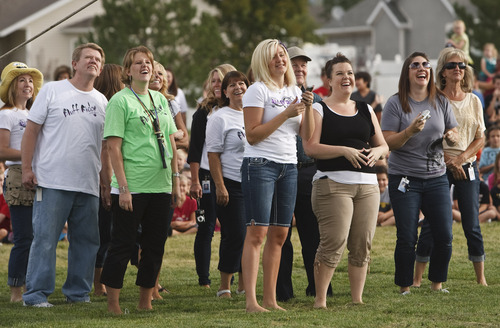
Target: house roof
pixel 392 10
pixel 17 14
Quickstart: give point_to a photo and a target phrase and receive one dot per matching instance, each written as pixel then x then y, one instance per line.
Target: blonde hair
pixel 12 93
pixel 211 101
pixel 492 46
pixel 77 53
pixel 445 55
pixel 164 89
pixel 262 56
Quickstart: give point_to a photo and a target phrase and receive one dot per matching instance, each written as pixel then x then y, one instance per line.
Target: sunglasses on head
pixel 452 65
pixel 416 65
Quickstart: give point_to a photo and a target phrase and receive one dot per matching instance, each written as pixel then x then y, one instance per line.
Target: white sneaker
pixel 39 305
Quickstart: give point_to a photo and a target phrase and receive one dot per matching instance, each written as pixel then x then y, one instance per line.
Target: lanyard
pixel 155 121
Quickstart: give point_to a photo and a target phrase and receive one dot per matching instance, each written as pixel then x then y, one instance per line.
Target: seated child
pixel 489 153
pixel 385 212
pixel 184 218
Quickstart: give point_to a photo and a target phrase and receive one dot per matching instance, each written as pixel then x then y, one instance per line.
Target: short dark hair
pixel 365 76
pixel 339 58
pixel 492 128
pixel 496 77
pixel 381 169
pixel 228 78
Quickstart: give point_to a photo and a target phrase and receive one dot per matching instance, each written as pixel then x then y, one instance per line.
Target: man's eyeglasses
pixel 452 65
pixel 416 65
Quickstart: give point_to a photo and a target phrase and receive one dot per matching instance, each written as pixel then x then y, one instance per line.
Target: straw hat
pixel 13 70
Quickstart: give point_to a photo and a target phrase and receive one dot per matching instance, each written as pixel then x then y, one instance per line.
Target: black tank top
pixel 350 131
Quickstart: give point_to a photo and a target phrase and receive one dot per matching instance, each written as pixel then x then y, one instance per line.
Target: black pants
pixel 307 227
pixel 151 211
pixel 205 233
pixel 232 227
pixel 104 234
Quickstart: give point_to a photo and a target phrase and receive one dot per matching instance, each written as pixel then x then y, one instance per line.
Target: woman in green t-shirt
pixel 139 131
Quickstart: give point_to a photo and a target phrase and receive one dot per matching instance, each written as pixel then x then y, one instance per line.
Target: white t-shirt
pixel 68 149
pixel 226 135
pixel 280 146
pixel 181 100
pixel 15 121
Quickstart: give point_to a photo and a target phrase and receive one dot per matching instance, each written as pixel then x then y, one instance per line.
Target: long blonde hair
pixel 262 56
pixel 211 100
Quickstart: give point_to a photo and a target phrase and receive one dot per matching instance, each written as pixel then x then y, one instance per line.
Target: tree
pixel 483 28
pixel 245 23
pixel 190 45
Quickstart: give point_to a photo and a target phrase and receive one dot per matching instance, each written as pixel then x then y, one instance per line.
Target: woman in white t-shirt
pixel 274 114
pixel 225 138
pixel 19 87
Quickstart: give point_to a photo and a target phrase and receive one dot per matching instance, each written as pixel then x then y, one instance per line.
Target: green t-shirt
pixel 127 119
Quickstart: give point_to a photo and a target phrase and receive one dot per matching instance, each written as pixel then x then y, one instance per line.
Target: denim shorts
pixel 270 190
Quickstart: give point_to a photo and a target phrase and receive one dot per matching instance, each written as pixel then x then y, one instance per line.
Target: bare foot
pixel 254 309
pixel 156 296
pixel 319 305
pixel 482 281
pixel 100 291
pixel 145 307
pixel 16 294
pixel 274 306
pixel 114 310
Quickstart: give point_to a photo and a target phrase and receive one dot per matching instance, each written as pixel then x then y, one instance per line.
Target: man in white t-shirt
pixel 61 151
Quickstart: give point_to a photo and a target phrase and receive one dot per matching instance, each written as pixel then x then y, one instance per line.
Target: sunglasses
pixel 416 65
pixel 452 65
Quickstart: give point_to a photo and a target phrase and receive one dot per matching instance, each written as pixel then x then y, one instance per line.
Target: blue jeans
pixel 467 193
pixel 205 233
pixel 51 209
pixel 20 217
pixel 270 191
pixel 232 228
pixel 432 196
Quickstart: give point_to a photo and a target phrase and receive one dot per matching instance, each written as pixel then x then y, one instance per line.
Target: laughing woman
pixel 455 79
pixel 139 130
pixel 346 143
pixel 225 146
pixel 415 121
pixel 19 87
pixel 273 116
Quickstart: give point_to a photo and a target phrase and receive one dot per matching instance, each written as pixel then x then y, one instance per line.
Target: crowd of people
pixel 104 150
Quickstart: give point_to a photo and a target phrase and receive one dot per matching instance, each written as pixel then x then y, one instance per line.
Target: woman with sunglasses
pixel 455 79
pixel 414 124
pixel 139 130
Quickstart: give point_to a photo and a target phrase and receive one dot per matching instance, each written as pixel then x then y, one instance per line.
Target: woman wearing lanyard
pixel 455 79
pixel 414 124
pixel 139 129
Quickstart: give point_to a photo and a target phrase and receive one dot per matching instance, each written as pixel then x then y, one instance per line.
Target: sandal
pixel 224 293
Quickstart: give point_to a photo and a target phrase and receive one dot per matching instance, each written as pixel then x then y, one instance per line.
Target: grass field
pixel 188 305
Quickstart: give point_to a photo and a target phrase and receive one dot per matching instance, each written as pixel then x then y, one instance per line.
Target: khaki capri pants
pixel 347 215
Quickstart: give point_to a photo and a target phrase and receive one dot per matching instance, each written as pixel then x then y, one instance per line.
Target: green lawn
pixel 188 305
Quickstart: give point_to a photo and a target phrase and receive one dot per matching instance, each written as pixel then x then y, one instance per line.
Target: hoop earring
pixel 443 81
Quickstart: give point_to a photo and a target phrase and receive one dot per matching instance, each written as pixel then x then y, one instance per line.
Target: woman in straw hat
pixel 18 89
